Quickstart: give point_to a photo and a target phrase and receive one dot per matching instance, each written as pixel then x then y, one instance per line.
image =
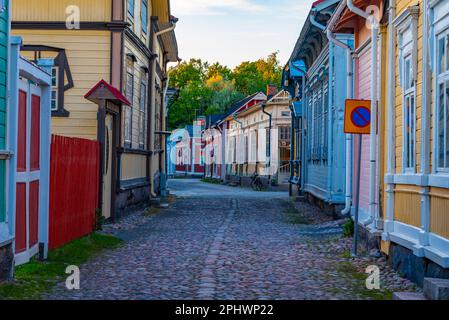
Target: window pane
pixel 412 131
pixel 407 73
pixel 440 63
pixel 407 132
pixel 446 51
pixel 441 127
pixel 446 151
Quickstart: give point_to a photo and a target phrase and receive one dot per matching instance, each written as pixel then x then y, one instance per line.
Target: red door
pixel 28 173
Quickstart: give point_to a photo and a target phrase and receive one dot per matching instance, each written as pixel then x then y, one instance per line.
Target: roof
pixel 311 39
pixel 115 93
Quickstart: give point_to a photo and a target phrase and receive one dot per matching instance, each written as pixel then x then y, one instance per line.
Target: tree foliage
pixel 205 89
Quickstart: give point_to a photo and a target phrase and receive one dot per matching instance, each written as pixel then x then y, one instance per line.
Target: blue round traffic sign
pixel 361 117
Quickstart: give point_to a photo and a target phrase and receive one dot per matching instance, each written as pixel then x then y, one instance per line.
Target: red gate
pixel 74 185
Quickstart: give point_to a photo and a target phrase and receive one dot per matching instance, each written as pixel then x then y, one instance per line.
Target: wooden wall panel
pixel 439 212
pixel 55 10
pixel 133 166
pixel 88 54
pixel 407 207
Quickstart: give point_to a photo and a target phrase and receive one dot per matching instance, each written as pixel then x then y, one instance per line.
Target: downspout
pixel 153 100
pixel 329 108
pixel 348 142
pixel 391 153
pixel 373 134
pixel 270 116
pixel 292 145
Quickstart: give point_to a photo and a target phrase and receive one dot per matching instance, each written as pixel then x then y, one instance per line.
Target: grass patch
pixel 152 211
pixel 294 215
pixel 348 228
pixel 37 277
pixel 211 180
pixel 356 284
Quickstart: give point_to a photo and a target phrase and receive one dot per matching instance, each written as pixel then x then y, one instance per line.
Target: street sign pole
pixel 357 202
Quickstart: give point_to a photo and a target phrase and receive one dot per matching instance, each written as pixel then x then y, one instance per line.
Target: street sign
pixel 358 116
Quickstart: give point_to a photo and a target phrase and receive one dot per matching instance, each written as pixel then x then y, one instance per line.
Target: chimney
pixel 272 90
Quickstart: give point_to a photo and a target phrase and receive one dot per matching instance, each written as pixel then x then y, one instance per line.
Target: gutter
pixel 373 135
pixel 349 79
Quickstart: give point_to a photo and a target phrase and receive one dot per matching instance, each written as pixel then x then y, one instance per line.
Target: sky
pixel 233 31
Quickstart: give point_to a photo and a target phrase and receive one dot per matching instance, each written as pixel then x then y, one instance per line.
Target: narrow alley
pixel 220 242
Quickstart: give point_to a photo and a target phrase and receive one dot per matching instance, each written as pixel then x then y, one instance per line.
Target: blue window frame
pixel 144 16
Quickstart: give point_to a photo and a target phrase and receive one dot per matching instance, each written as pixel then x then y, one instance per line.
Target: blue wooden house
pixel 6 238
pixel 25 95
pixel 316 77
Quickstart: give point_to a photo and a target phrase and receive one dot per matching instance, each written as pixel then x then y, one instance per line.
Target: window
pixel 142 113
pixel 131 7
pixel 442 103
pixel 144 16
pixel 409 112
pixel 325 124
pixel 129 92
pixel 54 88
pixel 284 133
pixel 407 26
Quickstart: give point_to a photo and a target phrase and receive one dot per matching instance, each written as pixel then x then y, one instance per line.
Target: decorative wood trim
pixel 61 25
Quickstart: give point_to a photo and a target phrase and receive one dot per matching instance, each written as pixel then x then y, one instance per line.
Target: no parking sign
pixel 358 116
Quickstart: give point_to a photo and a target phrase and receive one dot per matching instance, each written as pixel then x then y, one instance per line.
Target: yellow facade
pixel 56 10
pixel 88 53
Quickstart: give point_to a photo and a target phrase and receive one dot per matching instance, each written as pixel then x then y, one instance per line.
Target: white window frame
pixel 54 88
pixel 442 79
pixel 128 110
pixel 142 112
pixel 407 28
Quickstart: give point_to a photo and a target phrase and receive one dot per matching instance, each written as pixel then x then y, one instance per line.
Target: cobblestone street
pixel 219 242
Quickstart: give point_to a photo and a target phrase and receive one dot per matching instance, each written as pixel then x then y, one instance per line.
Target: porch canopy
pixel 104 91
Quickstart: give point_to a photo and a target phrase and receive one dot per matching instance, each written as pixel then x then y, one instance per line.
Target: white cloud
pixel 213 7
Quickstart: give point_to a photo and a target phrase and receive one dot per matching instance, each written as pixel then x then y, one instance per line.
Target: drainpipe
pixel 373 134
pixel 270 116
pixel 292 145
pixel 391 153
pixel 348 137
pixel 153 100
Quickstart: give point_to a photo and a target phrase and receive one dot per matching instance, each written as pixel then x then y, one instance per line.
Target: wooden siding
pixel 136 21
pixel 55 10
pixel 439 212
pixel 4 33
pixel 133 167
pixel 88 54
pixel 407 208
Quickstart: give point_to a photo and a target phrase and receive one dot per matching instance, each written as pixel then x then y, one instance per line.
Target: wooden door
pixel 28 172
pixel 107 172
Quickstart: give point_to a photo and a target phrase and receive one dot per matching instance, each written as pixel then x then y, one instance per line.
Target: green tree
pixel 205 89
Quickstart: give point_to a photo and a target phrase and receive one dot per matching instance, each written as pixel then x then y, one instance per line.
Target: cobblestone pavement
pixel 236 244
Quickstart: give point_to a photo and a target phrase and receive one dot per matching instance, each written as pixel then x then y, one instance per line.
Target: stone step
pixel 436 289
pixel 408 296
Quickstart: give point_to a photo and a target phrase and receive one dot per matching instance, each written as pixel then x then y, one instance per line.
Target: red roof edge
pixel 115 92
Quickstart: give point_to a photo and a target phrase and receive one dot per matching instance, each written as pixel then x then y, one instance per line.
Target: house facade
pixel 316 77
pixel 217 142
pixel 259 141
pixel 126 43
pixel 404 183
pixel 189 155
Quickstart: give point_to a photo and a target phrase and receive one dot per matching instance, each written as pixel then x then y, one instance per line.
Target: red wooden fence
pixel 74 182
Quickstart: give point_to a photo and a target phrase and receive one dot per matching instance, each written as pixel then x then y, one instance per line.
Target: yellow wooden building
pixel 417 180
pixel 126 43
